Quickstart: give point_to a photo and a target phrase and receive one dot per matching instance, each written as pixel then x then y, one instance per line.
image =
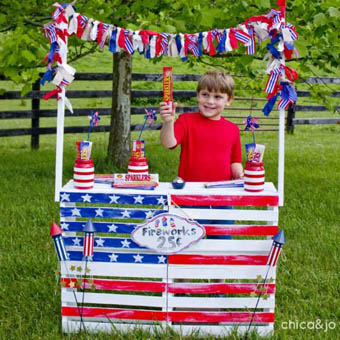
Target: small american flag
pixel 164 43
pixel 192 43
pixel 50 33
pixel 242 37
pixel 272 80
pixel 251 49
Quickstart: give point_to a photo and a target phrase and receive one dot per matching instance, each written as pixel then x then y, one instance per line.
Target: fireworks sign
pixel 168 233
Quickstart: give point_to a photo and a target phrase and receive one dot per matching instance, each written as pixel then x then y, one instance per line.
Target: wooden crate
pixel 127 285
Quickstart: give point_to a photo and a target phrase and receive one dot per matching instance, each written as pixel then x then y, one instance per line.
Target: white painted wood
pixel 164 188
pixel 60 145
pixel 119 269
pixel 281 162
pixel 204 246
pixel 222 330
pixel 113 299
pixel 219 272
pixel 220 302
pixel 226 214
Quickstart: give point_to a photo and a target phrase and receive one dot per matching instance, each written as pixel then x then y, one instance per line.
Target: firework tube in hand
pixel 167 85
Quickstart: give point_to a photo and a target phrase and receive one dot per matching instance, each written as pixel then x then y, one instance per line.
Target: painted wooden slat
pixel 116 269
pixel 153 315
pixel 70 326
pixel 103 212
pixel 218 259
pixel 114 299
pixel 113 198
pixel 242 230
pixel 117 245
pixel 126 228
pixel 102 242
pixel 102 188
pixel 219 288
pixel 159 301
pixel 220 302
pixel 121 285
pixel 175 288
pixel 230 246
pixel 219 272
pixel 101 227
pixel 138 258
pixel 222 200
pixel 226 214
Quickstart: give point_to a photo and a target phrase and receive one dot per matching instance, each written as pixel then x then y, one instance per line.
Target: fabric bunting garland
pixel 152 44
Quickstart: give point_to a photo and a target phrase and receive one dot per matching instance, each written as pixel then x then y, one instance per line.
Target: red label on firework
pixel 167 85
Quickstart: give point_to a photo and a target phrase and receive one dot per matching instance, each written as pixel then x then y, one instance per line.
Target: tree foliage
pixel 23 46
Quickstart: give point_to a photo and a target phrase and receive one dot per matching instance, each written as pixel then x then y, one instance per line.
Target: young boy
pixel 210 144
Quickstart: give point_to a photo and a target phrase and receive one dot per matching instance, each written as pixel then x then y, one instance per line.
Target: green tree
pixel 22 45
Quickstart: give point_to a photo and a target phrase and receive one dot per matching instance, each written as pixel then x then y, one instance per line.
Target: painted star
pixel 64 226
pixel 149 214
pixel 65 197
pixel 76 241
pixel 161 200
pixel 161 259
pixel 125 213
pixel 125 243
pixel 112 228
pixel 100 242
pixel 138 199
pixel 138 258
pixel 113 257
pixel 114 198
pixel 75 212
pixel 99 212
pixel 86 198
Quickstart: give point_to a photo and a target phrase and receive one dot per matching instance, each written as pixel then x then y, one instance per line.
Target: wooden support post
pixel 290 119
pixel 60 145
pixel 281 162
pixel 35 115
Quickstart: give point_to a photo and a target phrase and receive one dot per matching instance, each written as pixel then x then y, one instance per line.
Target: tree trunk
pixel 118 151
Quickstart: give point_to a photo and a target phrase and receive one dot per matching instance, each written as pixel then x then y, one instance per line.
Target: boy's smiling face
pixel 211 104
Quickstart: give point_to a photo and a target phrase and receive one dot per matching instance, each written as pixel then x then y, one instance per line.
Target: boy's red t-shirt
pixel 208 147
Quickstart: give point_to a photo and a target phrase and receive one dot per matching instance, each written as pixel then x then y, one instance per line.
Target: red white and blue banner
pixel 252 31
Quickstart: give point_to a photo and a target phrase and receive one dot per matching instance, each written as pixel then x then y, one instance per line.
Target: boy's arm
pixel 237 171
pixel 168 139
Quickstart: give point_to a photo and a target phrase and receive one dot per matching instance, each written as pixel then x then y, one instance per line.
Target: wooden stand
pixel 137 286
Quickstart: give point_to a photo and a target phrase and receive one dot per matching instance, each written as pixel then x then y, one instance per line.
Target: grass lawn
pixel 308 271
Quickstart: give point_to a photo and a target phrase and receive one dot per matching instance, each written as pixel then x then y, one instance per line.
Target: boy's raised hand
pixel 166 113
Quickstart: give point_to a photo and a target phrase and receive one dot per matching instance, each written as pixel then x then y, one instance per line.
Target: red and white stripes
pixel 83 174
pixel 254 176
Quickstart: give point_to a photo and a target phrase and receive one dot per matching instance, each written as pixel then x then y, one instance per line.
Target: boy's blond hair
pixel 217 81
